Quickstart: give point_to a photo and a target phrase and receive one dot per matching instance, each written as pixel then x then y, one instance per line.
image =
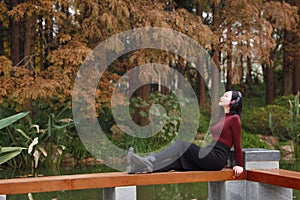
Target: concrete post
pixel 248 190
pixel 119 193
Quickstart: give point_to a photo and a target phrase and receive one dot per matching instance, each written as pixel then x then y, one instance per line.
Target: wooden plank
pixel 112 179
pixel 278 177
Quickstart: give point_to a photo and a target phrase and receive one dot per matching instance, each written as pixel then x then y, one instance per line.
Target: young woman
pixel 185 156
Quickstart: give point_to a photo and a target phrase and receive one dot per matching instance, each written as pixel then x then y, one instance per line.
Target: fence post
pixel 119 193
pixel 254 158
pixel 2 197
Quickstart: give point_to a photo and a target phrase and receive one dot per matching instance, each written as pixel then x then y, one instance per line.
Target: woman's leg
pixel 169 159
pixel 164 166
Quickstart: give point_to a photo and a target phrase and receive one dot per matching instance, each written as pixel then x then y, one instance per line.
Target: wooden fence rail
pixel 262 180
pixel 277 177
pixel 109 180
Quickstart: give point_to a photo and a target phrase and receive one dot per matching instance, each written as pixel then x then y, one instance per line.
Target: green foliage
pixel 283 101
pixel 8 153
pixel 252 102
pixel 256 91
pixel 281 120
pixel 295 122
pixel 12 119
pixel 75 147
pixel 173 114
pixel 165 134
pixel 252 141
pixel 257 121
pixel 44 142
pixel 203 123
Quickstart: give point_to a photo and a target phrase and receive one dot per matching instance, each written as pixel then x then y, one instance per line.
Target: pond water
pixel 195 191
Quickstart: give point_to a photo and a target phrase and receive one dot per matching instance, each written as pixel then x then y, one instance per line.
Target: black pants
pixel 185 156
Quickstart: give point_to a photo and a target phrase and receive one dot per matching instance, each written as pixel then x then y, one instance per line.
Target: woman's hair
pixel 236 104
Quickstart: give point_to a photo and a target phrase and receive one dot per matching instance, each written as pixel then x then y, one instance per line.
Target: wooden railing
pixel 262 174
pixel 109 180
pixel 277 177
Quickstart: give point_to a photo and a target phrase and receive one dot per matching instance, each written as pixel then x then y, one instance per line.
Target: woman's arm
pixel 237 142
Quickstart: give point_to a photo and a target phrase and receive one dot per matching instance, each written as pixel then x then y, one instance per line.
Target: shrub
pixel 44 143
pixel 284 101
pixel 252 141
pixel 258 121
pixel 203 123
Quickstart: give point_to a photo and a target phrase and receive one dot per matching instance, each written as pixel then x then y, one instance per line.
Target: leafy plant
pixel 44 143
pixel 12 119
pixel 8 153
pixel 166 132
pixel 252 141
pixel 295 122
pixel 257 121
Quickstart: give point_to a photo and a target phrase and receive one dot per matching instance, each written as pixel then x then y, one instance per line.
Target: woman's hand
pixel 238 170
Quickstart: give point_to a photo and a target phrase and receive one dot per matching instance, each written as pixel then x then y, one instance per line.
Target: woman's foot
pixel 137 164
pixel 142 162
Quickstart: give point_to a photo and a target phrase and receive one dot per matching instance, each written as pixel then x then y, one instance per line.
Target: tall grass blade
pixel 8 153
pixel 10 120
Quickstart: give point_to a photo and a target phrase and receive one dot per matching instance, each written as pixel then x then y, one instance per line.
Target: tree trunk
pixel 199 9
pixel 181 70
pixel 270 86
pixel 229 71
pixel 288 60
pixel 297 68
pixel 215 75
pixel 296 54
pixel 15 33
pixel 249 68
pixel 2 35
pixel 41 47
pixel 201 82
pixel 48 46
pixel 144 93
pixel 201 85
pixel 30 40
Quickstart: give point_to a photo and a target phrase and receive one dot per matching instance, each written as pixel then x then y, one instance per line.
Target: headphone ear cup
pixel 235 102
pixel 238 101
pixel 232 103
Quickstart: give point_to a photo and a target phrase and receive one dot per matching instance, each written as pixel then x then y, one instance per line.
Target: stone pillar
pixel 119 193
pixel 248 190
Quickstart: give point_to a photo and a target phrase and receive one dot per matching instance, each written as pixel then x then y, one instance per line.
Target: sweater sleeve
pixel 237 140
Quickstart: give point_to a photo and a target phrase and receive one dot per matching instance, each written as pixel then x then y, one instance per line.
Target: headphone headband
pixel 236 102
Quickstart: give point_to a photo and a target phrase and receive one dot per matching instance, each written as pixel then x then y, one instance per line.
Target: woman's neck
pixel 226 109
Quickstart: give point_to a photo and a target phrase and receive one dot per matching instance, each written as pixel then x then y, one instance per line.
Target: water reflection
pixel 195 191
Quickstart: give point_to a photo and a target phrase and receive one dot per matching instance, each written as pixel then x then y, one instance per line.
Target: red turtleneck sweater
pixel 228 130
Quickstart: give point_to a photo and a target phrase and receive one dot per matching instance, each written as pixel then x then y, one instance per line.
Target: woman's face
pixel 225 99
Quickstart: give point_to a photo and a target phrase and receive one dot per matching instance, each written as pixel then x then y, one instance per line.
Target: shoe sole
pixel 137 160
